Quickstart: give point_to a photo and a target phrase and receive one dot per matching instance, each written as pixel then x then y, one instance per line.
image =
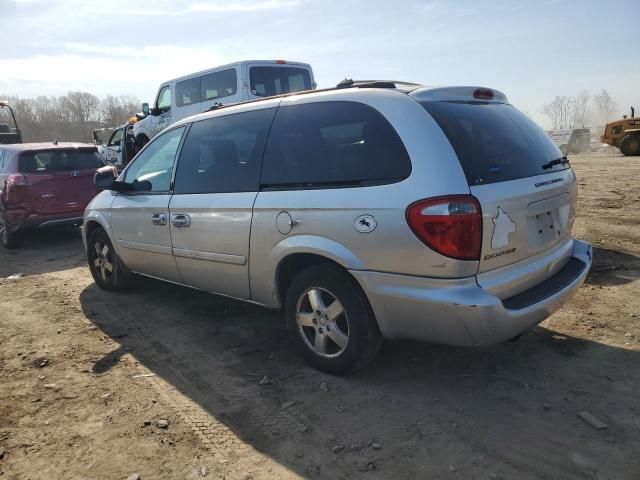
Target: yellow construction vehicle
pixel 624 134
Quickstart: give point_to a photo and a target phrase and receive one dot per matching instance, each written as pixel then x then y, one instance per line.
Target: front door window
pixel 116 138
pixel 164 99
pixel 155 162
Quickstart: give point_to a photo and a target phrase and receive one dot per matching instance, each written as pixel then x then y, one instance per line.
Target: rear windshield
pixel 269 81
pixel 494 141
pixel 59 160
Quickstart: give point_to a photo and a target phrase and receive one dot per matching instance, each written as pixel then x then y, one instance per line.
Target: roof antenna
pixel 346 83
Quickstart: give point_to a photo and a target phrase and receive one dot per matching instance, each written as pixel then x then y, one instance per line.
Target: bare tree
pixel 117 110
pixel 70 117
pixel 83 107
pixel 580 106
pixel 559 111
pixel 568 112
pixel 605 106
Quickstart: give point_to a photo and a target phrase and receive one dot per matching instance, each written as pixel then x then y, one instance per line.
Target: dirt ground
pixel 87 375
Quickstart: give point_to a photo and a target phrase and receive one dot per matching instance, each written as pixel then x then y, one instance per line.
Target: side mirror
pixel 145 108
pixel 105 178
pixel 141 186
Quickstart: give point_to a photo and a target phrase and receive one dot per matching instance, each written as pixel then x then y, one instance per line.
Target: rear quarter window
pixel 494 142
pixel 332 144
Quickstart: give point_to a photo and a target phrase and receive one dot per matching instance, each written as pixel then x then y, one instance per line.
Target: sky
pixel 530 50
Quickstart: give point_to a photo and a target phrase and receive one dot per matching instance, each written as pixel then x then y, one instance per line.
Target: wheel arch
pixel 93 221
pixel 296 254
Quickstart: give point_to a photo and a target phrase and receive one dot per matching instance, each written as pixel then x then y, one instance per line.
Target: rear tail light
pixel 483 94
pixel 452 226
pixel 9 191
pixel 16 179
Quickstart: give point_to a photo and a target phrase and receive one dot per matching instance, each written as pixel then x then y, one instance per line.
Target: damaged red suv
pixel 44 185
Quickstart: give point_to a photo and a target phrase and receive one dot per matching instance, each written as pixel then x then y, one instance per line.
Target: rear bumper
pixel 459 311
pixel 26 220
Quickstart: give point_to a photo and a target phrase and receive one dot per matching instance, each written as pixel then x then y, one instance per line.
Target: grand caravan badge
pixel 502 227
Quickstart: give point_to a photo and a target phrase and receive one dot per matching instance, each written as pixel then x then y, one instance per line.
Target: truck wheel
pixel 630 144
pixel 9 239
pixel 330 320
pixel 106 268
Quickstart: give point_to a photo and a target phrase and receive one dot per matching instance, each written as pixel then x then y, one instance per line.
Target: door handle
pixel 159 219
pixel 180 220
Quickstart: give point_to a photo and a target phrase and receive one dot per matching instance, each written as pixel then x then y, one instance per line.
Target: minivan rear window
pixel 494 141
pixel 60 160
pixel 269 81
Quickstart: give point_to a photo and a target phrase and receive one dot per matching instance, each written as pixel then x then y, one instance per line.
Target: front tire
pixel 630 145
pixel 106 268
pixel 330 320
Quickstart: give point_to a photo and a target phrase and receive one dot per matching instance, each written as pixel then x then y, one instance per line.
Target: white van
pixel 231 83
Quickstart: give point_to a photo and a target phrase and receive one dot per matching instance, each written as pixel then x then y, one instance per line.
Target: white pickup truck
pixel 120 148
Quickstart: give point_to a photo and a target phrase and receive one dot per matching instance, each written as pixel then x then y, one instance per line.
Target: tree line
pixel 73 116
pixel 68 118
pixel 580 110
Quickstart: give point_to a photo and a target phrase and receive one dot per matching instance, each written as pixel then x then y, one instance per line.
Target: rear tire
pixel 330 320
pixel 9 239
pixel 107 269
pixel 630 144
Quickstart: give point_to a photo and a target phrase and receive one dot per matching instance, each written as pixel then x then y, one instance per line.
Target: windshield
pixel 269 81
pixel 494 142
pixel 59 160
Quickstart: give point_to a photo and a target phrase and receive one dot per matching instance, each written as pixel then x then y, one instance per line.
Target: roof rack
pixel 349 82
pixel 346 83
pixel 216 106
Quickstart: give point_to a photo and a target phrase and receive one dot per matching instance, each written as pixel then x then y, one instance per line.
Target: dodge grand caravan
pixel 367 212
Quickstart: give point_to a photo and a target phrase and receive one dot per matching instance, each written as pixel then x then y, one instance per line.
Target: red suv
pixel 43 185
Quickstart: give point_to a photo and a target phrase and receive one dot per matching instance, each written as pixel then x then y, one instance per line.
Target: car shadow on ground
pixel 612 267
pixel 44 251
pixel 420 411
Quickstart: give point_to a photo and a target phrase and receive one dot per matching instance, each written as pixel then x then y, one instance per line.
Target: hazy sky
pixel 531 50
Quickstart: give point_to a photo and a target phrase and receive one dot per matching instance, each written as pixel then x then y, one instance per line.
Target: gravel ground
pixel 88 377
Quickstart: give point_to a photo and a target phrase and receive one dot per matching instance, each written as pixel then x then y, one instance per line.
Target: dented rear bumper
pixel 460 311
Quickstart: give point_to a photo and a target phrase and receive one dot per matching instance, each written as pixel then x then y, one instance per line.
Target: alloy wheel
pixel 322 322
pixel 103 261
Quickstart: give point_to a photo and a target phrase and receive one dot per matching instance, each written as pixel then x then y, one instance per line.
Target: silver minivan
pixel 374 211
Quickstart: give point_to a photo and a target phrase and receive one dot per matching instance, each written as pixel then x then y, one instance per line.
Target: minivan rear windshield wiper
pixel 557 161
